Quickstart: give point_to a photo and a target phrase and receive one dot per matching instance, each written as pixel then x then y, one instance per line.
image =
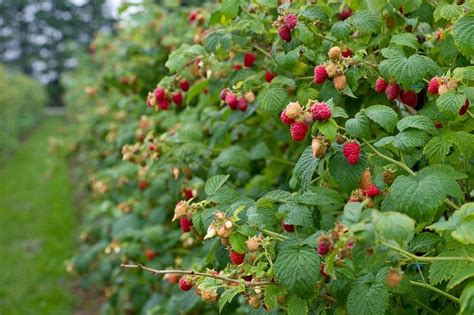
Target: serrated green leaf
pixel 230 8
pixel 297 268
pixel 238 242
pixel 304 93
pixel 228 295
pixel 328 129
pixel 271 294
pixel 367 299
pixel 376 5
pixel 358 126
pixel 297 306
pixel 366 22
pixel 300 215
pixel 352 212
pixel 405 39
pixel 383 116
pixel 261 216
pixel 467 299
pixel 305 167
pixel 322 197
pixel 346 175
pixel 181 56
pixel 275 196
pixel 451 12
pixel 410 139
pixel 407 5
pixel 461 276
pixel 214 183
pixel 315 12
pixel 464 141
pixel 272 98
pixel 450 103
pixel 444 270
pixel 463 34
pixel 437 148
pixel 394 226
pixel 464 73
pixel 408 71
pixel 304 34
pixel 341 30
pixel 418 122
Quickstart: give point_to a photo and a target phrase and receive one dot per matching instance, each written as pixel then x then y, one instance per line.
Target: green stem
pixel 434 289
pixel 424 306
pixel 275 159
pixel 324 37
pixel 266 53
pixel 274 234
pixel 424 258
pixel 387 158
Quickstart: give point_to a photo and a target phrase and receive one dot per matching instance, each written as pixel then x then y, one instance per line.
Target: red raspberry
pixel 185 224
pixel 380 85
pixel 160 93
pixel 290 21
pixel 269 76
pixel 150 254
pixel 285 119
pixel 237 67
pixel 164 104
pixel 284 33
pixel 438 125
pixel 188 193
pixel 184 85
pixel 177 97
pixel 320 74
pixel 224 93
pixel 249 59
pixel 409 97
pixel 392 91
pixel 345 13
pixel 351 151
pixel 321 111
pixel 231 100
pixel 323 247
pixel 464 108
pixel 290 228
pixel 242 104
pixel 322 270
pixel 433 86
pixel 298 131
pixel 143 185
pixel 372 191
pixel 192 16
pixel 346 53
pixel 236 258
pixel 185 284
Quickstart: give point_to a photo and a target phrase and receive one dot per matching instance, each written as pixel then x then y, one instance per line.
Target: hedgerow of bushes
pixel 307 158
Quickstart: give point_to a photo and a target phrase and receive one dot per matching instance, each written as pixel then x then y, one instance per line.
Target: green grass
pixel 37 227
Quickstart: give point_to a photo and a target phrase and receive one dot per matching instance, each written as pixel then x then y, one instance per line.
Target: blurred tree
pixel 40 37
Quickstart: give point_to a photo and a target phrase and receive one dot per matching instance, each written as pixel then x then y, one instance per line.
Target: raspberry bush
pixel 300 158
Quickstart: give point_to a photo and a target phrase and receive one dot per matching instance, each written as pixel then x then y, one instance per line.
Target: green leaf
pixel 405 39
pixel 437 148
pixel 271 295
pixel 366 22
pixel 463 34
pixel 315 12
pixel 352 213
pixel 358 126
pixel 275 196
pixel 305 167
pixel 420 196
pixel 467 299
pixel 394 226
pixel 410 139
pixel 464 141
pixel 450 12
pixel 418 122
pixel 228 295
pixel 297 268
pixel 341 30
pixel 272 98
pixel 300 215
pixel 238 242
pixel 322 197
pixel 196 89
pixel 304 93
pixel 408 5
pixel 297 306
pixel 214 183
pixel 305 34
pixel 461 276
pixel 367 299
pixel 346 175
pixel 450 103
pixel 181 56
pixel 376 5
pixel 382 115
pixel 230 8
pixel 444 270
pixel 328 129
pixel 408 71
pixel 460 224
pixel 464 73
pixel 216 40
pixel 261 216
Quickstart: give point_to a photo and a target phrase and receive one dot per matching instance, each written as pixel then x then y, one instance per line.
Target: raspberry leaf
pixel 228 295
pixel 230 8
pixel 346 175
pixel 437 148
pixel 450 103
pixel 214 183
pixel 358 126
pixel 297 268
pixel 405 39
pixel 444 270
pixel 383 116
pixel 418 122
pixel 272 98
pixel 305 167
pixel 366 22
pixel 463 34
pixel 408 71
pixel 368 298
pixel 297 306
pixel 394 226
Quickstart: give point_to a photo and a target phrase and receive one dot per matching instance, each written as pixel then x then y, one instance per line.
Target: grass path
pixel 37 227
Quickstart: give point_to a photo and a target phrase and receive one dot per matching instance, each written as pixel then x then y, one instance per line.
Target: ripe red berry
pixel 150 254
pixel 346 53
pixel 237 67
pixel 409 97
pixel 284 33
pixel 298 131
pixel 160 93
pixel 321 111
pixel 185 284
pixel 184 85
pixel 236 258
pixel 372 191
pixel 164 104
pixel 249 59
pixel 192 16
pixel 380 85
pixel 323 247
pixel 392 91
pixel 285 119
pixel 290 228
pixel 290 21
pixel 224 94
pixel 438 125
pixel 242 104
pixel 433 86
pixel 351 151
pixel 185 224
pixel 143 185
pixel 177 98
pixel 231 100
pixel 188 193
pixel 320 74
pixel 345 13
pixel 269 76
pixel 464 108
